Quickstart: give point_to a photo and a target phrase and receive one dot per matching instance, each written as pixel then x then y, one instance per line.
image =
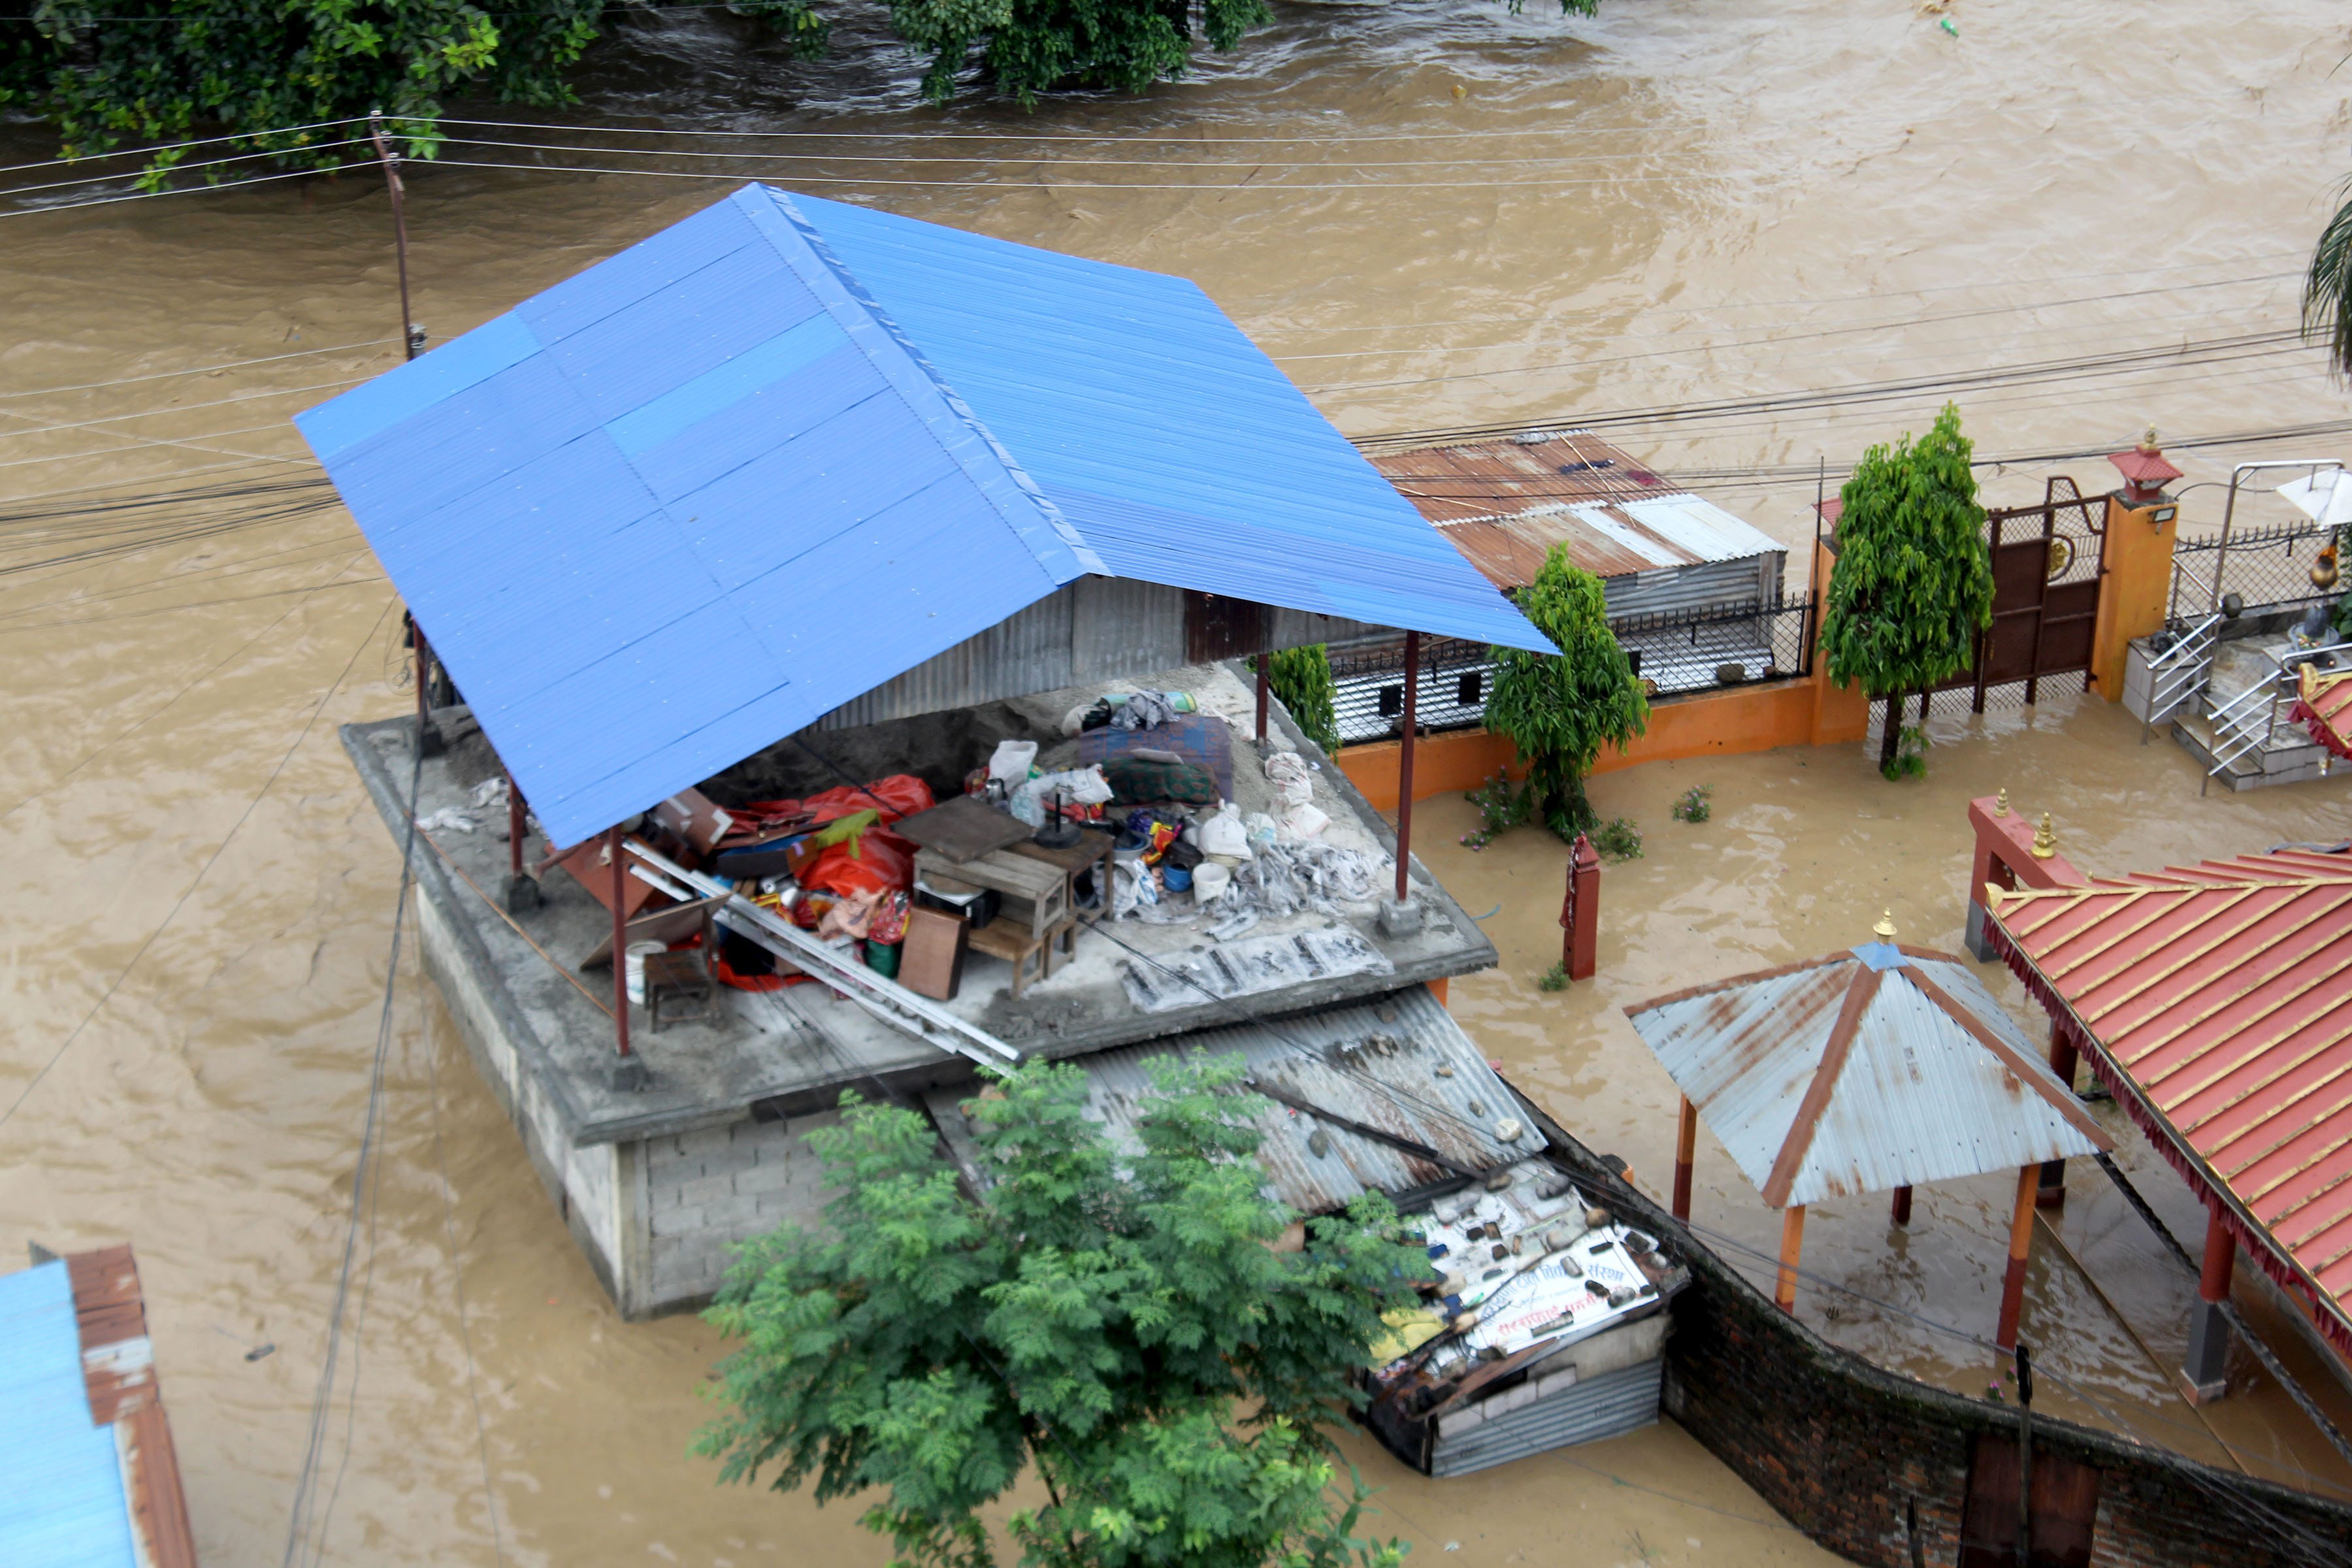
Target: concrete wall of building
pixel 710 1190
pixel 1847 1450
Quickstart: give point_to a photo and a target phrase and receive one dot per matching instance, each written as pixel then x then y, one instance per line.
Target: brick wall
pixel 1845 1449
pixel 708 1191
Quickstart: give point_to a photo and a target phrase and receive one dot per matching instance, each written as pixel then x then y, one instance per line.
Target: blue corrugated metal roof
pixel 1919 1097
pixel 704 492
pixel 61 1498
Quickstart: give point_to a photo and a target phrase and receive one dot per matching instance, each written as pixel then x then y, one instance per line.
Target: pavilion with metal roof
pixel 707 491
pixel 1880 1067
pixel 2215 1001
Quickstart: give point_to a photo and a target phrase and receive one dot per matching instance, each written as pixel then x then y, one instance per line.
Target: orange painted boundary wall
pixel 1810 712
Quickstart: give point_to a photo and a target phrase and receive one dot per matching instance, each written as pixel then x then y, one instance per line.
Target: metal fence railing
pixel 1676 651
pixel 2266 565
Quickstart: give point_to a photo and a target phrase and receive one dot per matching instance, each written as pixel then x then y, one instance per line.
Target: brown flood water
pixel 1817 195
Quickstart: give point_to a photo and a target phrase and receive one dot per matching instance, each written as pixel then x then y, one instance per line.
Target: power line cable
pixel 366 1168
pixel 194 370
pixel 179 168
pixel 151 151
pixel 40 208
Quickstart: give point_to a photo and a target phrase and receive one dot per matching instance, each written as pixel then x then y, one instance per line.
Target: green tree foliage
pixel 1913 582
pixel 110 73
pixel 1116 1319
pixel 1558 710
pixel 1301 677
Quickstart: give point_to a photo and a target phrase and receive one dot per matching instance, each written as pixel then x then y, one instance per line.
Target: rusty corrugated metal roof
pixel 2218 994
pixel 1412 1073
pixel 1505 503
pixel 1880 1067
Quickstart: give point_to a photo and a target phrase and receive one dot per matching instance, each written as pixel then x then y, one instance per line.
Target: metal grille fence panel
pixel 1676 651
pixel 2266 565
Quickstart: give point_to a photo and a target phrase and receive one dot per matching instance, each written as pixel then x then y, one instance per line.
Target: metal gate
pixel 2045 592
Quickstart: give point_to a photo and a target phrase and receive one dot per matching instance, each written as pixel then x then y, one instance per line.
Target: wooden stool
pixel 680 977
pixel 1010 940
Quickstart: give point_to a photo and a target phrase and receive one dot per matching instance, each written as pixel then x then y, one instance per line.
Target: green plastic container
pixel 883 959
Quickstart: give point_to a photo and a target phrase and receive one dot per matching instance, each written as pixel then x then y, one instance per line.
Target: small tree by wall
pixel 1117 1318
pixel 1913 582
pixel 1558 710
pixel 1302 678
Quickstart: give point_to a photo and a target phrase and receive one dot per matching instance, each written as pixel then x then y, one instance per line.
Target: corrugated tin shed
pixel 87 1477
pixel 692 499
pixel 2214 999
pixel 1413 1075
pixel 1880 1067
pixel 1505 504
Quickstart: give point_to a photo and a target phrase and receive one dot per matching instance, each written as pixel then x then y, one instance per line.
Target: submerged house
pixel 801 530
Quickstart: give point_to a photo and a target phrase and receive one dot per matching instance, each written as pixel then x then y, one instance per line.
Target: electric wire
pixel 184 407
pixel 181 168
pixel 366 1167
pixel 165 146
pixel 194 370
pixel 43 207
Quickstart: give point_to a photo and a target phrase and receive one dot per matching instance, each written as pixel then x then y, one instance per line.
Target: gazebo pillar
pixel 1902 1206
pixel 2204 1372
pixel 2021 1243
pixel 1792 1246
pixel 1685 1152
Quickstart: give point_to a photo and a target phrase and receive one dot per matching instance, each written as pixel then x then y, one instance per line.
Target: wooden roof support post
pixel 1264 658
pixel 1686 1153
pixel 429 743
pixel 1902 1212
pixel 2021 1243
pixel 1792 1247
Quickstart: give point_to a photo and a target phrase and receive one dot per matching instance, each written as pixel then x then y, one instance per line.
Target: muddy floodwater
pixel 1697 211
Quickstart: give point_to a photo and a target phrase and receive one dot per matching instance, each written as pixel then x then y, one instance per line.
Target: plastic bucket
pixel 882 958
pixel 1175 879
pixel 634 961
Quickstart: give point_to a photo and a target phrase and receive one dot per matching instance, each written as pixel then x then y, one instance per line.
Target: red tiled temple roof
pixel 2213 1000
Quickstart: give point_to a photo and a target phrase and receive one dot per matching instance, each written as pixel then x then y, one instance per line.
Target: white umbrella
pixel 2325 497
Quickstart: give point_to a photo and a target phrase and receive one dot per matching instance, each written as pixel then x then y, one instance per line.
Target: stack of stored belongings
pixel 1544 1328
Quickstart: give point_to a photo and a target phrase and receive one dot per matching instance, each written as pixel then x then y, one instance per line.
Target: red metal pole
pixel 1263 657
pixel 1792 1247
pixel 1685 1154
pixel 1903 1205
pixel 1404 761
pixel 620 940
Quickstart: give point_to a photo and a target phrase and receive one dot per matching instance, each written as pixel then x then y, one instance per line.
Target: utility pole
pixel 429 741
pixel 409 336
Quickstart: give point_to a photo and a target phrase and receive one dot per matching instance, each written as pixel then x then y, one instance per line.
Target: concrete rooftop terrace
pixel 792 1051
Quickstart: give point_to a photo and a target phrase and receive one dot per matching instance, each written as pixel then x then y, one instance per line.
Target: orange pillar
pixel 2136 559
pixel 1685 1152
pixel 2020 1242
pixel 1792 1246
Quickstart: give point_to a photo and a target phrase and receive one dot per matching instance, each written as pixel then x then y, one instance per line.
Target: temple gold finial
pixel 1885 930
pixel 2045 839
pixel 2000 804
